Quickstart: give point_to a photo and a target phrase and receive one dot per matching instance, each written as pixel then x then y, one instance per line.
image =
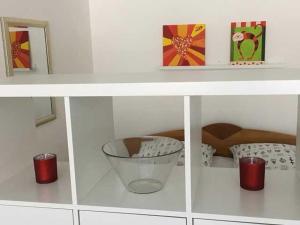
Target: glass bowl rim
pixel 143 157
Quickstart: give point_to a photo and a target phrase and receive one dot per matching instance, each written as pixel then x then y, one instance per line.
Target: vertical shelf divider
pixel 187 149
pixel 193 141
pixel 71 160
pixel 70 150
pixel 298 140
pixel 76 217
pixel 92 126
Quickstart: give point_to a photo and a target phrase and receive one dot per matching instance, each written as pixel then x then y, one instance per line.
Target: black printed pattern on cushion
pixel 277 156
pixel 158 147
pixel 148 149
pixel 207 152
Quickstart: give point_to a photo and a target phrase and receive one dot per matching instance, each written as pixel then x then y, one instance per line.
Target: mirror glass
pixel 27 47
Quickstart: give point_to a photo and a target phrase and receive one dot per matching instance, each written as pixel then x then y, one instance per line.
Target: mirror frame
pixel 7 22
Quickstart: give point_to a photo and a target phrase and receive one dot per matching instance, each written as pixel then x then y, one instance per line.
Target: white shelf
pixel 224 67
pixel 92 124
pixel 219 193
pixel 23 187
pixel 162 83
pixel 110 192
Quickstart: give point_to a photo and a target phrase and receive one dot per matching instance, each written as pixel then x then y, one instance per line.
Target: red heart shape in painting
pixel 182 44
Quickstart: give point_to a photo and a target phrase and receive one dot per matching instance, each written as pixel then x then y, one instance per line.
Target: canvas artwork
pixel 248 43
pixel 184 45
pixel 20 49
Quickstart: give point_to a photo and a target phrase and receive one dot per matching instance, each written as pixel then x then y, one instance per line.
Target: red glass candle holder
pixel 252 173
pixel 45 166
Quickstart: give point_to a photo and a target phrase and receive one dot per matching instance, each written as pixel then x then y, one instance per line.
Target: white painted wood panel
pixel 187 149
pixel 174 83
pixel 23 187
pixel 193 140
pixel 110 192
pixel 92 126
pixel 196 141
pixel 101 218
pixel 18 137
pixel 298 140
pixel 216 222
pixel 240 75
pixel 188 155
pixel 15 215
pixel 219 192
pixel 71 150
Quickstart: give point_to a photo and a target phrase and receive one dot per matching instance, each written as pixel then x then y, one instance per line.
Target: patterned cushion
pixel 207 152
pixel 154 148
pixel 158 147
pixel 277 156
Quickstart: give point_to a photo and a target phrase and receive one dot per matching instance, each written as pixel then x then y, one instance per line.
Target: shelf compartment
pixel 21 140
pixel 219 192
pixel 216 192
pixel 97 120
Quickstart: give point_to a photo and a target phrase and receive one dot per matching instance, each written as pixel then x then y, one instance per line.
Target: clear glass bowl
pixel 143 163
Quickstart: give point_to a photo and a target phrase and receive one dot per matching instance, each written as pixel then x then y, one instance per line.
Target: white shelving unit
pixel 88 191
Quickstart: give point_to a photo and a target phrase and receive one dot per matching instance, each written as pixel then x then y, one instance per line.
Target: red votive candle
pixel 45 166
pixel 252 173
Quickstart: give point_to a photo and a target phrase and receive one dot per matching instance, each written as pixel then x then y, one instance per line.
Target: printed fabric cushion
pixel 207 152
pixel 152 149
pixel 277 156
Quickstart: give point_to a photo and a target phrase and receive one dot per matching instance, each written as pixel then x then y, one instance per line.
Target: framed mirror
pixel 27 51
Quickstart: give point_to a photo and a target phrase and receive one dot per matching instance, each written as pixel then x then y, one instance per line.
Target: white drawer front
pixel 215 222
pixel 15 215
pixel 100 218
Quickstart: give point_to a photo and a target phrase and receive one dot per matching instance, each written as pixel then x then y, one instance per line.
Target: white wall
pixel 257 112
pixel 17 148
pixel 70 44
pixel 69 25
pixel 142 116
pixel 126 36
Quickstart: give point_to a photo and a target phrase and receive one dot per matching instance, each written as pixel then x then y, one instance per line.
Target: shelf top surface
pixel 159 77
pixel 216 82
pixel 112 193
pixel 22 187
pixel 278 200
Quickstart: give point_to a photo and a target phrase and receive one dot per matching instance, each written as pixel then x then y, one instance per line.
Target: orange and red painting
pixel 20 49
pixel 184 45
